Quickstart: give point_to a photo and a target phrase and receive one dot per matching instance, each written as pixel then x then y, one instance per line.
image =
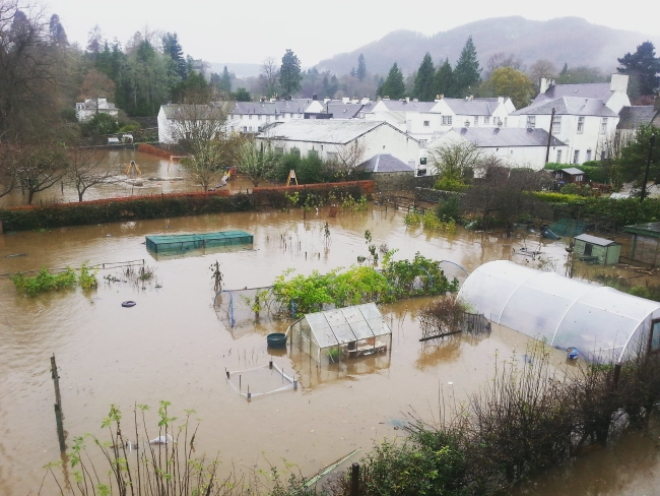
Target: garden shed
pixel 570 175
pixel 645 243
pixel 598 321
pixel 341 334
pixel 600 251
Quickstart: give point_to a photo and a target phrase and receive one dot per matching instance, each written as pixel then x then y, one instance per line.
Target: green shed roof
pixel 651 229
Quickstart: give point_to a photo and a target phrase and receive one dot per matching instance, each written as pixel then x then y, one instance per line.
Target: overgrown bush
pixel 277 196
pixel 45 282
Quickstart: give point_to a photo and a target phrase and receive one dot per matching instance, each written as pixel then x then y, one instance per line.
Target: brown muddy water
pixel 158 176
pixel 173 346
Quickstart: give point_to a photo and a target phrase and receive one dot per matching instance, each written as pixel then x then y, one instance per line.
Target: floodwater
pixel 174 346
pixel 158 176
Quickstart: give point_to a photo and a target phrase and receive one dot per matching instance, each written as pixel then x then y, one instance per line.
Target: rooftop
pixel 573 171
pixel 506 137
pixel 651 229
pixel 568 106
pixel 594 240
pixel 384 162
pixel 338 131
pixel 599 91
pixel 633 117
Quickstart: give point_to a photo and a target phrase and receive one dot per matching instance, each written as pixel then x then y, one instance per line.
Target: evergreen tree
pixel 466 72
pixel 362 68
pixel 352 73
pixel 444 79
pixel 564 69
pixel 95 41
pixel 290 74
pixel 225 81
pixel 424 87
pixel 172 48
pixel 644 67
pixel 393 87
pixel 57 34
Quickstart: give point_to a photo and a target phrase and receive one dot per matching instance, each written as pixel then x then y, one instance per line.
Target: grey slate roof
pixel 569 106
pixel 294 106
pixel 384 162
pixel 633 117
pixel 489 137
pixel 338 131
pixel 401 106
pixel 478 106
pixel 594 240
pixel 343 110
pixel 599 91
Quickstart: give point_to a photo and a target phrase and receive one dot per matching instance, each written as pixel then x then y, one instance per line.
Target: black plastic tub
pixel 276 340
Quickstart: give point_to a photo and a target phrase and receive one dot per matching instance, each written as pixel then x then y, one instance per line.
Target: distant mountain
pixel 569 40
pixel 241 70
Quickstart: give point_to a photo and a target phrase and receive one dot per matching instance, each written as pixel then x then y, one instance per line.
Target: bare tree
pixel 7 169
pixel 27 85
pixel 257 161
pixel 270 74
pixel 541 69
pixel 457 160
pixel 344 158
pixel 40 167
pixel 201 130
pixel 87 168
pixel 503 60
pixel 505 192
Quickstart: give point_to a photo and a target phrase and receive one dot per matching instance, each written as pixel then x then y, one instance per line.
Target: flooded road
pixel 173 346
pixel 159 175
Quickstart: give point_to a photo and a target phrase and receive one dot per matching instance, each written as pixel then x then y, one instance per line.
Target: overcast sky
pixel 249 31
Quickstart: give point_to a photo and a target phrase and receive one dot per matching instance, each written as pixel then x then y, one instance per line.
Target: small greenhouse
pixel 341 334
pixel 598 321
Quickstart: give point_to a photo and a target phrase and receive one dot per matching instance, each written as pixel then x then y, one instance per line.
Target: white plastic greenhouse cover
pixel 598 321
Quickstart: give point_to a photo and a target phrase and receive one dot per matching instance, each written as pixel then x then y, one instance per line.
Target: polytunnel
pixel 600 322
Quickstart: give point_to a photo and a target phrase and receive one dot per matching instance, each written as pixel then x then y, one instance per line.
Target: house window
pixel 580 128
pixel 576 156
pixel 427 123
pixel 295 151
pixel 556 125
pixel 313 154
pixel 603 125
pixel 588 155
pixel 466 123
pixel 245 129
pixel 279 150
pixel 559 156
pixel 654 338
pixel 446 120
pixel 476 120
pixel 422 143
pixel 250 116
pixel 486 121
pixel 259 117
pixel 506 119
pixel 531 122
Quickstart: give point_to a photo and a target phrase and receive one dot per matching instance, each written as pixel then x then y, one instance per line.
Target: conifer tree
pixel 290 74
pixel 424 88
pixel 393 87
pixel 643 66
pixel 362 68
pixel 466 72
pixel 444 79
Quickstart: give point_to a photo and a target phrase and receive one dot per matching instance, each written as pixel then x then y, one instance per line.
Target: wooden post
pixel 56 382
pixel 0 226
pixel 355 479
pixel 60 428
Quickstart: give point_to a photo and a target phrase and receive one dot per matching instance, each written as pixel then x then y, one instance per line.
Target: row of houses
pixel 566 123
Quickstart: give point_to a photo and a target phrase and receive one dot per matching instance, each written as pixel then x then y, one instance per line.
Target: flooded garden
pixel 178 343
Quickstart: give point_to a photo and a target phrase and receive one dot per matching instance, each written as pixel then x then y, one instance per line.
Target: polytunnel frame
pixel 518 278
pixel 353 349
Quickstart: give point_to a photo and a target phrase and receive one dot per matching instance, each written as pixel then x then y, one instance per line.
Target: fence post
pixel 355 479
pixel 58 405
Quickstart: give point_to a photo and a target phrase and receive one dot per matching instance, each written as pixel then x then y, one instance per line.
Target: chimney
pixel 326 100
pixel 619 83
pixel 545 84
pixel 365 100
pixel 407 99
pixel 345 100
pixel 439 97
pixel 315 97
pixel 500 100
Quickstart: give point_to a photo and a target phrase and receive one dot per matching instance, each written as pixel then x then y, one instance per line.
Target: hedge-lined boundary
pixel 122 209
pixel 276 196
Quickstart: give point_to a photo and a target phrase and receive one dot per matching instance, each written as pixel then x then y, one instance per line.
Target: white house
pixel 425 120
pixel 336 139
pixel 515 147
pixel 583 116
pixel 92 106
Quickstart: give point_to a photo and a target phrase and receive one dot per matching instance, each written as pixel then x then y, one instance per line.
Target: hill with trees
pixel 567 40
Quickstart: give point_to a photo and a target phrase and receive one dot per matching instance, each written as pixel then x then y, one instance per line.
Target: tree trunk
pixel 30 196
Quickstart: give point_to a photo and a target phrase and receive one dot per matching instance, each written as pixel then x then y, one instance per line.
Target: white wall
pixel 382 139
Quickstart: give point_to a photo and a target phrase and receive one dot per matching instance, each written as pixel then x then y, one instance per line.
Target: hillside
pixel 568 39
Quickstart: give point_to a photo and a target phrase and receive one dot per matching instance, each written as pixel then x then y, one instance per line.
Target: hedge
pixel 122 209
pixel 276 196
